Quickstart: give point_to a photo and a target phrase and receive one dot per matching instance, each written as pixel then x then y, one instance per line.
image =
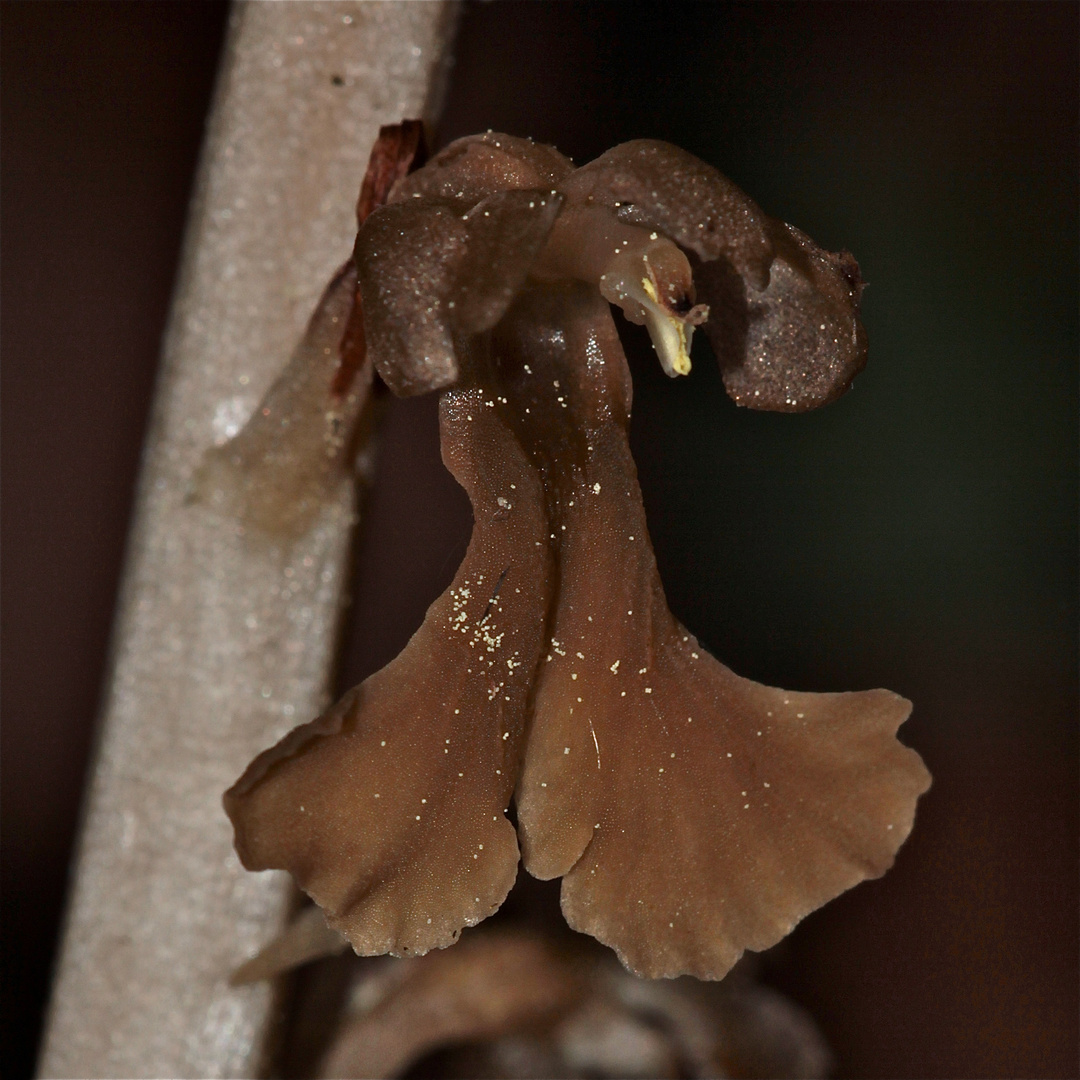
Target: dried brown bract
pixel 691 813
pixel 279 471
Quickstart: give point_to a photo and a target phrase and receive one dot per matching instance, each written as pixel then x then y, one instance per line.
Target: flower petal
pixel 795 345
pixel 659 186
pixel 407 257
pixel 389 809
pixel 429 273
pixel 471 168
pixel 783 313
pixel 693 813
pixel 506 232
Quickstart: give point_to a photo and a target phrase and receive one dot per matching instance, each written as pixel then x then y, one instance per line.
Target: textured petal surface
pixel 407 257
pixel 783 313
pixel 476 166
pixel 694 814
pixel 389 809
pixel 429 274
pixel 795 345
pixel 506 232
pixel 659 186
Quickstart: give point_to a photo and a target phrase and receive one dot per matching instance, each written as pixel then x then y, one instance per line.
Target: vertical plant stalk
pixel 224 641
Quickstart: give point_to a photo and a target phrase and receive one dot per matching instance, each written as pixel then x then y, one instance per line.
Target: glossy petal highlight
pixel 389 810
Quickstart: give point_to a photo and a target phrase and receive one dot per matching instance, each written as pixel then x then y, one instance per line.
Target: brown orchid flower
pixel 691 813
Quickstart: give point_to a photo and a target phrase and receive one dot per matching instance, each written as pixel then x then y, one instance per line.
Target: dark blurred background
pixel 920 534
